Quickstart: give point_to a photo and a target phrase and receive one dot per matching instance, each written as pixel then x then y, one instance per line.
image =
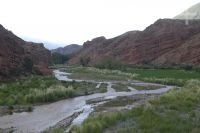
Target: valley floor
pixel 174 112
pixel 135 106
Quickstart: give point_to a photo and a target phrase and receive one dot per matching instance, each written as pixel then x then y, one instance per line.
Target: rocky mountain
pixel 191 13
pixel 18 57
pixel 67 50
pixel 167 41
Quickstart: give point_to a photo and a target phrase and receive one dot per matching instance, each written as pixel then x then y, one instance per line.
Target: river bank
pixel 45 116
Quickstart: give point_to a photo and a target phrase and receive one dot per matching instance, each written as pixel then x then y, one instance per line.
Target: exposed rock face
pixel 67 50
pixel 15 53
pixel 187 53
pixel 191 13
pixel 153 45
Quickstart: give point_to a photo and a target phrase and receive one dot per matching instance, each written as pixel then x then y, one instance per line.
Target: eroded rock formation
pixel 167 41
pixel 18 57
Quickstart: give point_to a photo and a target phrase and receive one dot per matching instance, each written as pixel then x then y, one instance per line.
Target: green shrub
pixel 15 72
pixel 112 64
pixel 56 130
pixel 58 58
pixel 10 107
pixel 29 109
pixel 37 89
pixel 84 61
pixel 28 64
pixel 186 67
pixel 173 112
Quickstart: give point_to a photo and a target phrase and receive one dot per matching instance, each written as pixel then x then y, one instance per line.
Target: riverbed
pixel 44 116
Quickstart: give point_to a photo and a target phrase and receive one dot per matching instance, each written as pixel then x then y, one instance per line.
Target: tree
pixel 28 64
pixel 84 61
pixel 58 58
pixel 110 63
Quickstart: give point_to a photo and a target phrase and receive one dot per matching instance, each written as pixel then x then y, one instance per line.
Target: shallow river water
pixel 44 116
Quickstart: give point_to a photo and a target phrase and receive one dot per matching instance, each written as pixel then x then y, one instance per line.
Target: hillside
pixel 191 13
pixel 69 49
pixel 154 45
pixel 18 57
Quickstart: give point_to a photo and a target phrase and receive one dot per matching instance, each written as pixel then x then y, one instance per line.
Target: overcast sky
pixel 64 22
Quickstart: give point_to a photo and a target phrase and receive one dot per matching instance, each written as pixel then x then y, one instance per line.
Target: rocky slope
pixel 18 57
pixel 187 53
pixel 191 13
pixel 167 41
pixel 67 50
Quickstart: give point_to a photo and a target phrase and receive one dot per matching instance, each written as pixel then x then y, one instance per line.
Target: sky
pixel 59 23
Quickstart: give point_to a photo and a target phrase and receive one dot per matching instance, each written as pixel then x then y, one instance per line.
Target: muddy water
pixel 48 115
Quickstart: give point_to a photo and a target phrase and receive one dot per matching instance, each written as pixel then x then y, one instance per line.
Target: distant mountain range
pixel 191 13
pixel 67 50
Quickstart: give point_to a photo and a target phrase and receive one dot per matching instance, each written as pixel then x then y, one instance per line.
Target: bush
pixel 28 64
pixel 110 64
pixel 186 67
pixel 15 71
pixel 84 61
pixel 58 58
pixel 10 107
pixel 50 94
pixel 29 109
pixel 173 112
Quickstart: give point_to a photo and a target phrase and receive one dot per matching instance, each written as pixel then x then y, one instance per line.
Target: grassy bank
pixel 103 87
pixel 145 87
pixel 175 112
pixel 89 73
pixel 120 87
pixel 164 76
pixel 38 89
pixel 19 91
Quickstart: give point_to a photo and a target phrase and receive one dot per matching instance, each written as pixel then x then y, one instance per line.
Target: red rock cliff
pixel 157 44
pixel 16 55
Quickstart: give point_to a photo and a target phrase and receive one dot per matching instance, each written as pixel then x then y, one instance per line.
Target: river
pixel 44 116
